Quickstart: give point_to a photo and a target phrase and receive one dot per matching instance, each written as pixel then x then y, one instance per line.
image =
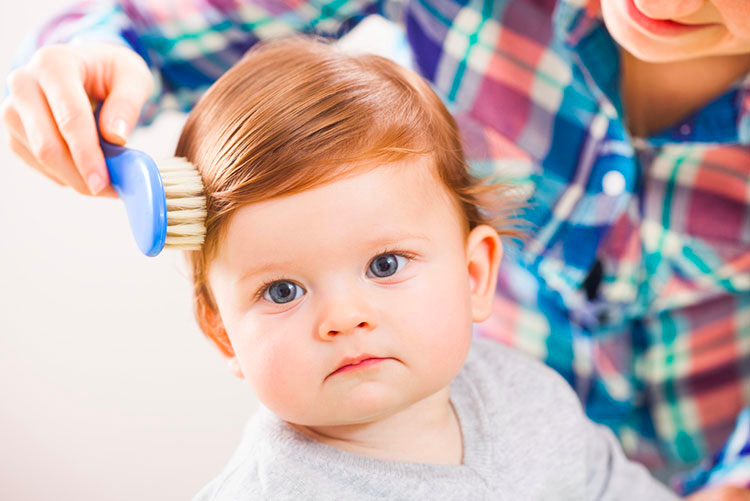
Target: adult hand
pixel 723 493
pixel 48 111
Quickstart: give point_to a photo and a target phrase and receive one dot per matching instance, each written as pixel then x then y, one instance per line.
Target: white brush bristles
pixel 186 204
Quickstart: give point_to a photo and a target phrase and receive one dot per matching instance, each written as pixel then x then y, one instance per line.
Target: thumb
pixel 130 86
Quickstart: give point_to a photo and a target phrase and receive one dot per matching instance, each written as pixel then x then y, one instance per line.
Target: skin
pixel 48 116
pixel 725 31
pixel 324 240
pixel 728 493
pixel 419 319
pixel 663 75
pixel 48 112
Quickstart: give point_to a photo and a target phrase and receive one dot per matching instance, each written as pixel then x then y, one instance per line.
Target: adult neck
pixel 658 95
pixel 426 432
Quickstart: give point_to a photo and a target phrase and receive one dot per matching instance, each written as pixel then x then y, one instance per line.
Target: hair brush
pixel 165 202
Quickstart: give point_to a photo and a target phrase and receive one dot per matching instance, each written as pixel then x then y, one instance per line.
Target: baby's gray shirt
pixel 525 437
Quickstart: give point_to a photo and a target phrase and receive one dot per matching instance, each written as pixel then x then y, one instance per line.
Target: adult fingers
pixel 130 83
pixel 17 139
pixel 19 146
pixel 41 135
pixel 66 98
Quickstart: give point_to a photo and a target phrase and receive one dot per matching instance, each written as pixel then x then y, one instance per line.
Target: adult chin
pixel 660 41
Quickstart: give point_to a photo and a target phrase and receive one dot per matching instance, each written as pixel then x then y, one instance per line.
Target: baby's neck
pixel 427 432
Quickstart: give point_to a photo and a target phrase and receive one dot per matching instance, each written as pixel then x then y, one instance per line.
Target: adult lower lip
pixel 364 364
pixel 663 27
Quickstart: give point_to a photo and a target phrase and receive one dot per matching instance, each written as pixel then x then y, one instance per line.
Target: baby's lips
pixel 357 361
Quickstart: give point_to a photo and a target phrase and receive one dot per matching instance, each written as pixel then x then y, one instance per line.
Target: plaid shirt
pixel 731 465
pixel 635 283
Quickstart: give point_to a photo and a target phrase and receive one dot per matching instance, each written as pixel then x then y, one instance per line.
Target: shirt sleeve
pixel 611 476
pixel 188 44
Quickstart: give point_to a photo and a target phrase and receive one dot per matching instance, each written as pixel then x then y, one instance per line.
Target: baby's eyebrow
pixel 249 273
pixel 391 239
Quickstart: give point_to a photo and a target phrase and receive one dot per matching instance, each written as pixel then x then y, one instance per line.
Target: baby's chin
pixel 353 414
pixel 379 405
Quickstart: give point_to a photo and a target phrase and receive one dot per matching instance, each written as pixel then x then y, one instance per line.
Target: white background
pixel 108 390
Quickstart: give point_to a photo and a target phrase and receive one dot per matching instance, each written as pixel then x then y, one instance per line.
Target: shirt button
pixel 685 129
pixel 613 183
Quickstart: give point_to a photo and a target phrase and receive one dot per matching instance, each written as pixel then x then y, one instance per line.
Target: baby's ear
pixel 209 320
pixel 483 253
pixel 234 367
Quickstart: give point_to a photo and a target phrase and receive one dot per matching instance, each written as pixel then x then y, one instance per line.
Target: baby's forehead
pixel 414 176
pixel 387 201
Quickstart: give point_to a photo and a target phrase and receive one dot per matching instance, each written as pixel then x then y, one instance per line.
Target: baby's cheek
pixel 279 376
pixel 443 320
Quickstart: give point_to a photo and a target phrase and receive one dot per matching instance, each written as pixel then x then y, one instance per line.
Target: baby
pixel 348 252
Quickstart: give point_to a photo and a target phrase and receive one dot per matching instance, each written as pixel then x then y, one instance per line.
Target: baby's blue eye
pixel 282 291
pixel 386 265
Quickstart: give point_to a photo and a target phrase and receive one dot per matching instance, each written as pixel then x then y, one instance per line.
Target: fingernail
pixel 96 183
pixel 120 129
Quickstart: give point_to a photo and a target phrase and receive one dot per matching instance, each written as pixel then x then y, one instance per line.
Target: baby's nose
pixel 329 333
pixel 347 313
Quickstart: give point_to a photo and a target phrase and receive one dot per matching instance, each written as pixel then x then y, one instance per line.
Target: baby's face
pixel 350 301
pixel 672 30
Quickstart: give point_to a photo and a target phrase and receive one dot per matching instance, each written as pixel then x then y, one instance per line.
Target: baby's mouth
pixel 361 362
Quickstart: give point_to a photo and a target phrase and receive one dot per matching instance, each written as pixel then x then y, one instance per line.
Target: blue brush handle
pixel 136 180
